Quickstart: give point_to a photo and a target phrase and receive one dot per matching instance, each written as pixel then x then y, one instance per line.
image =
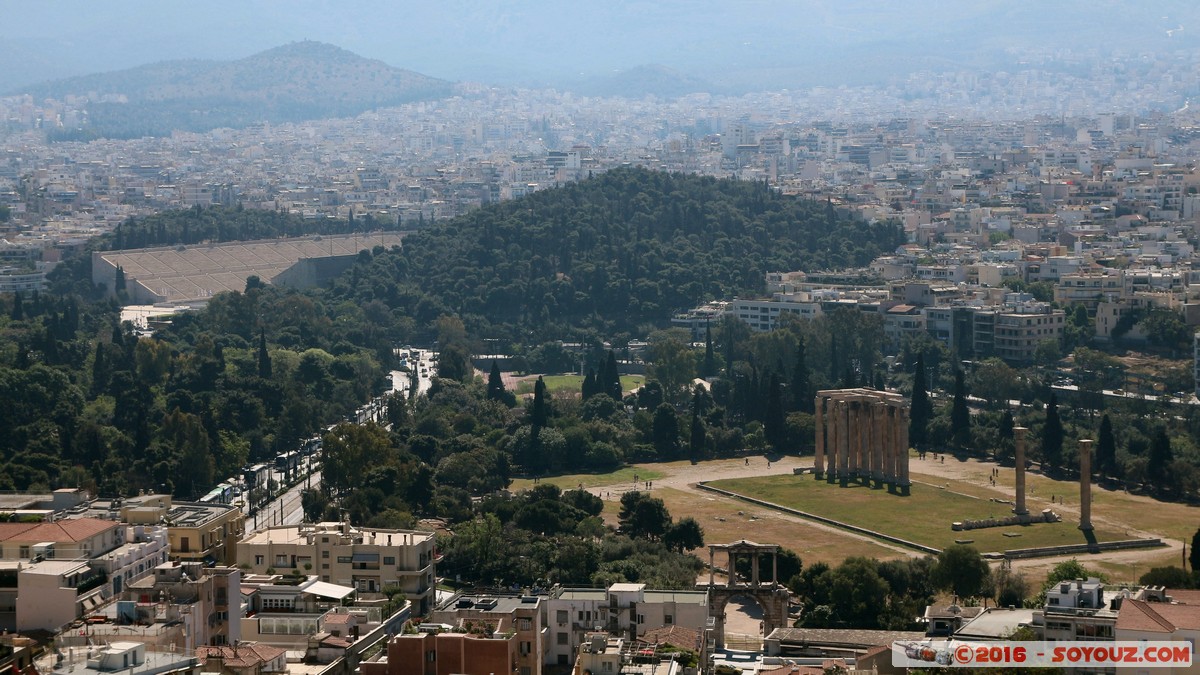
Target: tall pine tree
pixel 1158 464
pixel 774 425
pixel 1052 435
pixel 921 410
pixel 539 414
pixel 495 385
pixel 709 367
pixel 264 357
pixel 1106 448
pixel 960 415
pixel 801 394
pixel 589 384
pixel 1007 424
pixel 612 378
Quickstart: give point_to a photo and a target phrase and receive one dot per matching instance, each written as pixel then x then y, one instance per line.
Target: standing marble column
pixel 889 446
pixel 1019 441
pixel 855 423
pixel 1085 485
pixel 832 429
pixel 902 452
pixel 819 424
pixel 843 441
pixel 878 441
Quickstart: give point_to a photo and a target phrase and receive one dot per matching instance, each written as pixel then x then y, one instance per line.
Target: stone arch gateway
pixel 771 596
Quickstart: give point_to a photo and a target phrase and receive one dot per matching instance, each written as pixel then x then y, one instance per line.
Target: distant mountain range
pixel 739 47
pixel 298 81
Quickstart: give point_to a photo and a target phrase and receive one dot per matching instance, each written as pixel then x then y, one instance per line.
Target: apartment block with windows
pixel 628 610
pixel 366 559
pixel 206 533
pixel 516 619
pixel 53 573
pixel 1018 331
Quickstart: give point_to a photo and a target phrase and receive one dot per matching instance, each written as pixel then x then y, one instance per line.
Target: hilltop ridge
pixel 292 82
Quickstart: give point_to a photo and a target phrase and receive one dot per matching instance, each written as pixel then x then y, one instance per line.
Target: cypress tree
pixel 1194 556
pixel 612 378
pixel 264 357
pixel 1158 464
pixel 18 310
pixel 754 399
pixel 495 386
pixel 1005 432
pixel 802 399
pixel 589 384
pixel 833 358
pixel 664 431
pixel 539 414
pixel 774 427
pixel 710 360
pixel 960 415
pixel 1106 447
pixel 1052 435
pixel 101 370
pixel 1007 424
pixel 921 410
pixel 727 344
pixel 698 438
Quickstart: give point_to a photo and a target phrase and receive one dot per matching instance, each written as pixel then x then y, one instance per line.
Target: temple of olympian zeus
pixel 862 434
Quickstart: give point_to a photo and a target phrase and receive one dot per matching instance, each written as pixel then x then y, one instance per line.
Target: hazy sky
pixel 779 42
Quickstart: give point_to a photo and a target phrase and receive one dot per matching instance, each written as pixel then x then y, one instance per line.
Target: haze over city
pixel 739 46
pixel 627 338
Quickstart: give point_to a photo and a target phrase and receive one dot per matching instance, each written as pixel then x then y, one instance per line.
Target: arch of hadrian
pixel 862 435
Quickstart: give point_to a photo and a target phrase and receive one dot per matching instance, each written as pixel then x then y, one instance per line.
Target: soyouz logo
pixel 955 654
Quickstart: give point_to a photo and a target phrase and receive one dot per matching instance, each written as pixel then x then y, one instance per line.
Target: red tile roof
pixel 62 531
pixel 246 655
pixel 1185 596
pixel 680 636
pixel 1157 617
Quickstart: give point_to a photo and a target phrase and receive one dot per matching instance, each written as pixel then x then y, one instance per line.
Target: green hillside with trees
pixel 618 253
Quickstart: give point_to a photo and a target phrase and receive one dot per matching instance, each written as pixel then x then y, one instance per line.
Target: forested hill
pixel 625 248
pixel 298 81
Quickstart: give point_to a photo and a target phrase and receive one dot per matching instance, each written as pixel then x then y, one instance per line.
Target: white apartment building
pixel 54 573
pixel 366 559
pixel 627 610
pixel 182 604
pixel 1020 329
pixel 763 315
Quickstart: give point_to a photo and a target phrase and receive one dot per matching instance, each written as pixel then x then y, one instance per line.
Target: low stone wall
pixel 1046 516
pixel 1047 551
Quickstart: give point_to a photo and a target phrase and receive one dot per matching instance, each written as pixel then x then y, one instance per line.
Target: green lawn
pixel 923 517
pixel 614 478
pixel 555 383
